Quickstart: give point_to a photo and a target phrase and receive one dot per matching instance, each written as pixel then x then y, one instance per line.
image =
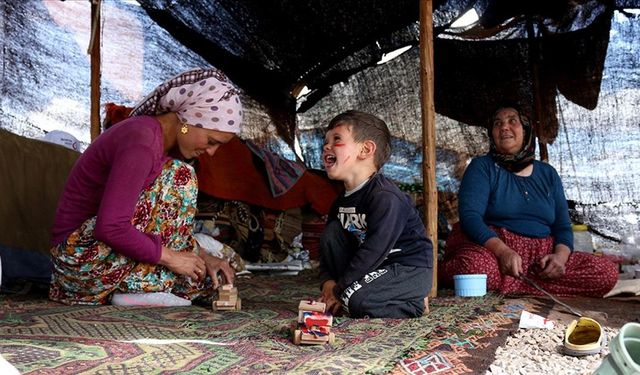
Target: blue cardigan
pixel 533 206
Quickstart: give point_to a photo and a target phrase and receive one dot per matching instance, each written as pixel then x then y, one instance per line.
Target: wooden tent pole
pixel 534 58
pixel 430 192
pixel 94 51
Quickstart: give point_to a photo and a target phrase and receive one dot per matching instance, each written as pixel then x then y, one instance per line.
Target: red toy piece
pixel 314 324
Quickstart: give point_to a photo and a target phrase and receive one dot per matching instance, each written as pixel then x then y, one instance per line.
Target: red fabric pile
pixel 235 173
pixel 232 174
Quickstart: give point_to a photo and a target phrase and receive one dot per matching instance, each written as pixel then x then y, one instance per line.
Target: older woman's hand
pixel 509 262
pixel 553 265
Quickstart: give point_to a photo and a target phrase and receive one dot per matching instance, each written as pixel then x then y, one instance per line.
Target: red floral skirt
pixel 585 274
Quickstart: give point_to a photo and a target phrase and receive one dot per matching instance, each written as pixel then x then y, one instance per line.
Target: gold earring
pixel 184 129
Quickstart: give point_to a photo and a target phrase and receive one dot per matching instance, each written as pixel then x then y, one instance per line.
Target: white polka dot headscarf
pixel 201 97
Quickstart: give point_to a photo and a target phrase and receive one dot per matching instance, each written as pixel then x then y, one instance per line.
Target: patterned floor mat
pixel 43 337
pixel 463 344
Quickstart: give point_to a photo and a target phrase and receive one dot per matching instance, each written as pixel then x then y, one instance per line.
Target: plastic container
pixel 631 247
pixel 470 285
pixel 624 353
pixel 582 240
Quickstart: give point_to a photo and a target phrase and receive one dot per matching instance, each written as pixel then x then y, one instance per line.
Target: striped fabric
pixel 281 173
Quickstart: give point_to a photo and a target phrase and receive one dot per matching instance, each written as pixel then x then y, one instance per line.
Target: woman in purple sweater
pixel 123 227
pixel 514 221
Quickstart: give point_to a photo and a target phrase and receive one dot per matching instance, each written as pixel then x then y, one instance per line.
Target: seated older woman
pixel 514 221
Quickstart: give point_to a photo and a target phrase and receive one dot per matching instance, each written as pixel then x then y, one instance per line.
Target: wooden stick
pixel 430 188
pixel 94 50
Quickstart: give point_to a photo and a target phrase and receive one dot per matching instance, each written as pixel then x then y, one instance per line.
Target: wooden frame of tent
pixel 429 190
pixel 94 52
pixel 429 187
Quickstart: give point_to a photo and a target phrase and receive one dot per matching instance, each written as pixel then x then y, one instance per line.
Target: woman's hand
pixel 187 264
pixel 509 261
pixel 553 265
pixel 333 305
pixel 217 265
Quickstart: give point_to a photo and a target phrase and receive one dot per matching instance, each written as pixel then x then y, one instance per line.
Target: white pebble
pixel 539 351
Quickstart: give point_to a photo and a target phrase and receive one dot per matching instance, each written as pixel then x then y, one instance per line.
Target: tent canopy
pixel 518 50
pixel 576 61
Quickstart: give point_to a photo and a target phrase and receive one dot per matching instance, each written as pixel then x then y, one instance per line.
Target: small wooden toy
pixel 314 324
pixel 227 298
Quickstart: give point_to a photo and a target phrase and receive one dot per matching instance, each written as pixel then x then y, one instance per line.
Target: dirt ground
pixel 613 312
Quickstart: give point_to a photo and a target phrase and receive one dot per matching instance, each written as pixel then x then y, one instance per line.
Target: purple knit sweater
pixel 106 182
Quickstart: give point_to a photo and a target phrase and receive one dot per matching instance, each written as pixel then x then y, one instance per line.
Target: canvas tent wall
pixel 47 85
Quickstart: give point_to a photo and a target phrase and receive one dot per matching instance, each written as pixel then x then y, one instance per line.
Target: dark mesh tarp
pixel 585 53
pixel 272 47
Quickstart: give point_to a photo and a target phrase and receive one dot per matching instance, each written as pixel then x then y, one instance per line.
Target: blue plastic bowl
pixel 470 285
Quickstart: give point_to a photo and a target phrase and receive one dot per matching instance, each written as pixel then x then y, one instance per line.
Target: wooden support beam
pixel 94 51
pixel 430 192
pixel 537 122
pixel 544 152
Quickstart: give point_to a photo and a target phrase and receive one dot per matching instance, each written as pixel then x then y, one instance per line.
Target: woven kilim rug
pixel 463 343
pixel 42 337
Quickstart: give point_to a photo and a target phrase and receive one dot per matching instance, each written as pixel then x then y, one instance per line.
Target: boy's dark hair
pixel 365 126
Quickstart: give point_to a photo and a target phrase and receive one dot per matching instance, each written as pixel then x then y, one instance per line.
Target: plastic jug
pixel 624 353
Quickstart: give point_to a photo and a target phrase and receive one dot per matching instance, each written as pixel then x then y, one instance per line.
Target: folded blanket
pixel 282 174
pixel 627 287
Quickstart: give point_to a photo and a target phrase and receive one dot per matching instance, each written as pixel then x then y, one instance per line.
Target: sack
pixel 250 234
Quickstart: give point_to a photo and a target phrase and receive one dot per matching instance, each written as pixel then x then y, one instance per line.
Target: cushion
pixel 33 175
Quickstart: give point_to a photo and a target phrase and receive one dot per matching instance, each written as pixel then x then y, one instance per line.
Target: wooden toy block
pixel 300 337
pixel 229 302
pixel 227 299
pixel 228 294
pixel 309 338
pixel 312 306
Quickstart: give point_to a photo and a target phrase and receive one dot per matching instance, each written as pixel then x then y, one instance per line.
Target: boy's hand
pixel 330 299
